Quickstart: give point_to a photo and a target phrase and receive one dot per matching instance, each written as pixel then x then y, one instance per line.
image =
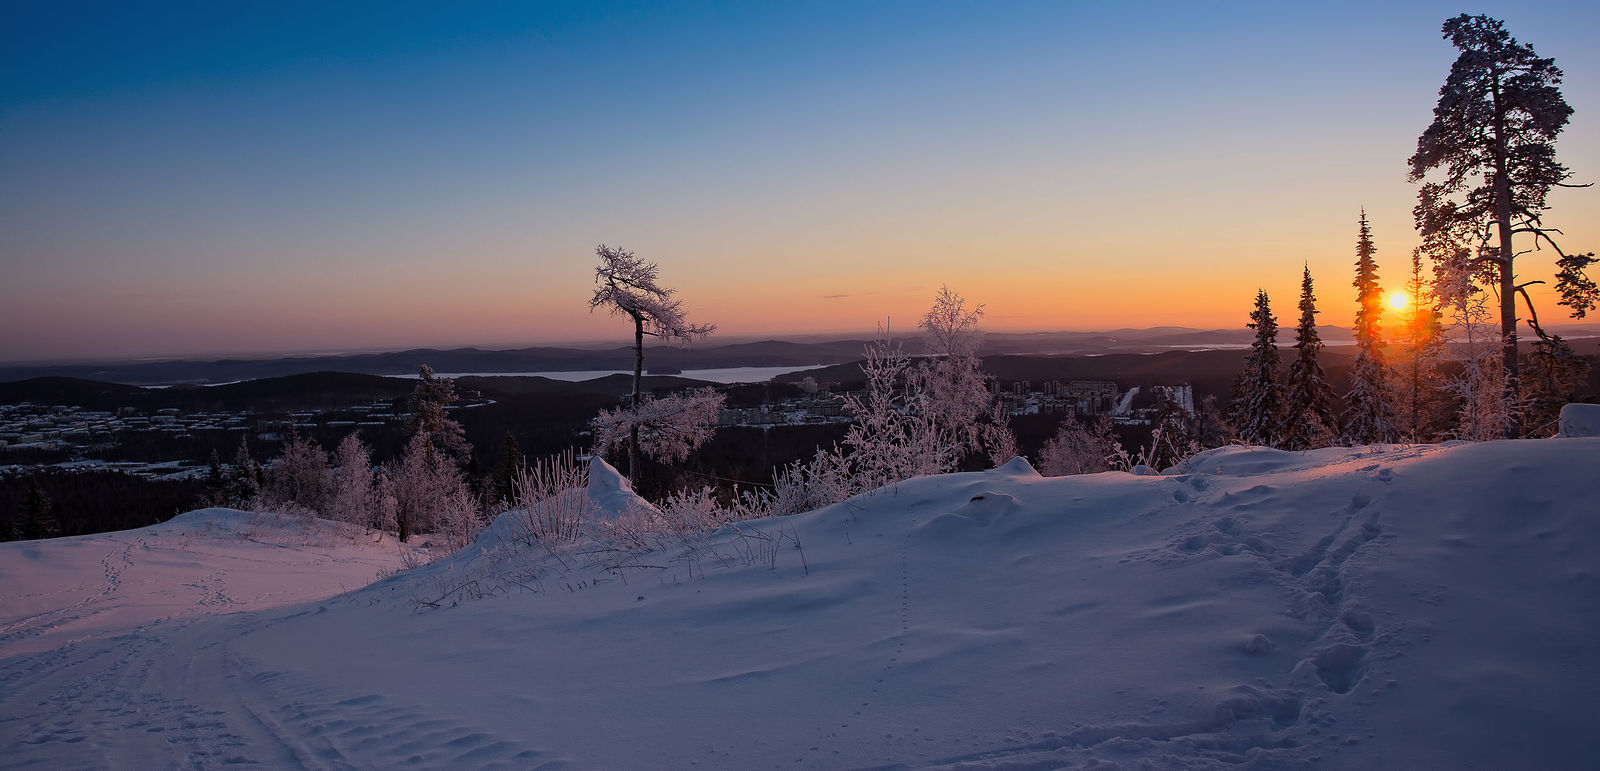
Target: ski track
pixel 123 702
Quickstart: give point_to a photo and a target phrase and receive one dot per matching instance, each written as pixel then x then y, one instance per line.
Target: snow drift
pixel 1430 606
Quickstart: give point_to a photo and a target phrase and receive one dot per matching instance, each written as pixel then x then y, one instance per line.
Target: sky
pixel 221 178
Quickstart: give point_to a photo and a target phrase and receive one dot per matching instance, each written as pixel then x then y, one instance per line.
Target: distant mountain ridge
pixel 299 391
pixel 764 353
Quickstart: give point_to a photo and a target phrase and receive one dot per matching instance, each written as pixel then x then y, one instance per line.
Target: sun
pixel 1398 301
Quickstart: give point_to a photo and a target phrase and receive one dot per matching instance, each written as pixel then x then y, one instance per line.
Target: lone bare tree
pixel 628 288
pixel 1493 138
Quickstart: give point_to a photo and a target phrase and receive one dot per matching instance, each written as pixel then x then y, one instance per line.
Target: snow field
pixel 1427 606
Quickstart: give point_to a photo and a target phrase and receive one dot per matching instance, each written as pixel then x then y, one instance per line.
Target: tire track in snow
pixel 315 727
pixel 106 703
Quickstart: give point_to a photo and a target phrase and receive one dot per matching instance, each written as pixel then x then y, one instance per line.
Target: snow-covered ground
pixel 1393 607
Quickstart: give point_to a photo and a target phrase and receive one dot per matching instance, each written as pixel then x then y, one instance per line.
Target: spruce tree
pixel 1369 414
pixel 36 519
pixel 245 479
pixel 502 484
pixel 216 481
pixel 1258 398
pixel 429 404
pixel 1309 420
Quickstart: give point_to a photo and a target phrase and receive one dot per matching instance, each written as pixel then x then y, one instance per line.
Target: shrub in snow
pixel 553 499
pixel 458 518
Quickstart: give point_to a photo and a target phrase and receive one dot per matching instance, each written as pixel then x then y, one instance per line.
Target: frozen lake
pixel 716 375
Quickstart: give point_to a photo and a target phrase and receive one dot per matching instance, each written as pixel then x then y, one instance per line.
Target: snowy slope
pixel 200 563
pixel 1395 607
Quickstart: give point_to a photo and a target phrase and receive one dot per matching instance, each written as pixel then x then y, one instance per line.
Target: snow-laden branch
pixel 669 428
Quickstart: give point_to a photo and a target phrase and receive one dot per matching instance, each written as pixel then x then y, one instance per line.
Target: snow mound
pixel 1017 467
pixel 611 494
pixel 1580 420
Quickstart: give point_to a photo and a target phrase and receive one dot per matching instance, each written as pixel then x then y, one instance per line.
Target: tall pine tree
pixel 1487 164
pixel 1369 413
pixel 1258 398
pixel 1309 421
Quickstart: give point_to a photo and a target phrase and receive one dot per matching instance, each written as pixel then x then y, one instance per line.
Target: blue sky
pixel 207 178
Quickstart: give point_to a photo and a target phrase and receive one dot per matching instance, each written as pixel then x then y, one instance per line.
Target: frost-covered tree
pixel 1369 411
pixel 299 480
pixel 1478 383
pixel 950 393
pixel 1487 164
pixel 1079 449
pixel 997 438
pixel 1257 409
pixel 385 502
pixel 245 478
pixel 628 288
pixel 425 484
pixel 1309 419
pixel 1173 437
pixel 353 498
pixel 666 428
pixel 910 419
pixel 884 442
pixel 1415 363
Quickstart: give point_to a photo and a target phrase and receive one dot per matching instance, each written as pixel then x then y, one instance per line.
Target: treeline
pixel 52 503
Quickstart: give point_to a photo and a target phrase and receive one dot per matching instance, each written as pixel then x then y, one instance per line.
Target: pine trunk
pixel 638 379
pixel 1508 278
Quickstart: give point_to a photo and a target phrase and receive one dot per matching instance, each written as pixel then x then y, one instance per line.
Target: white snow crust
pixel 1371 607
